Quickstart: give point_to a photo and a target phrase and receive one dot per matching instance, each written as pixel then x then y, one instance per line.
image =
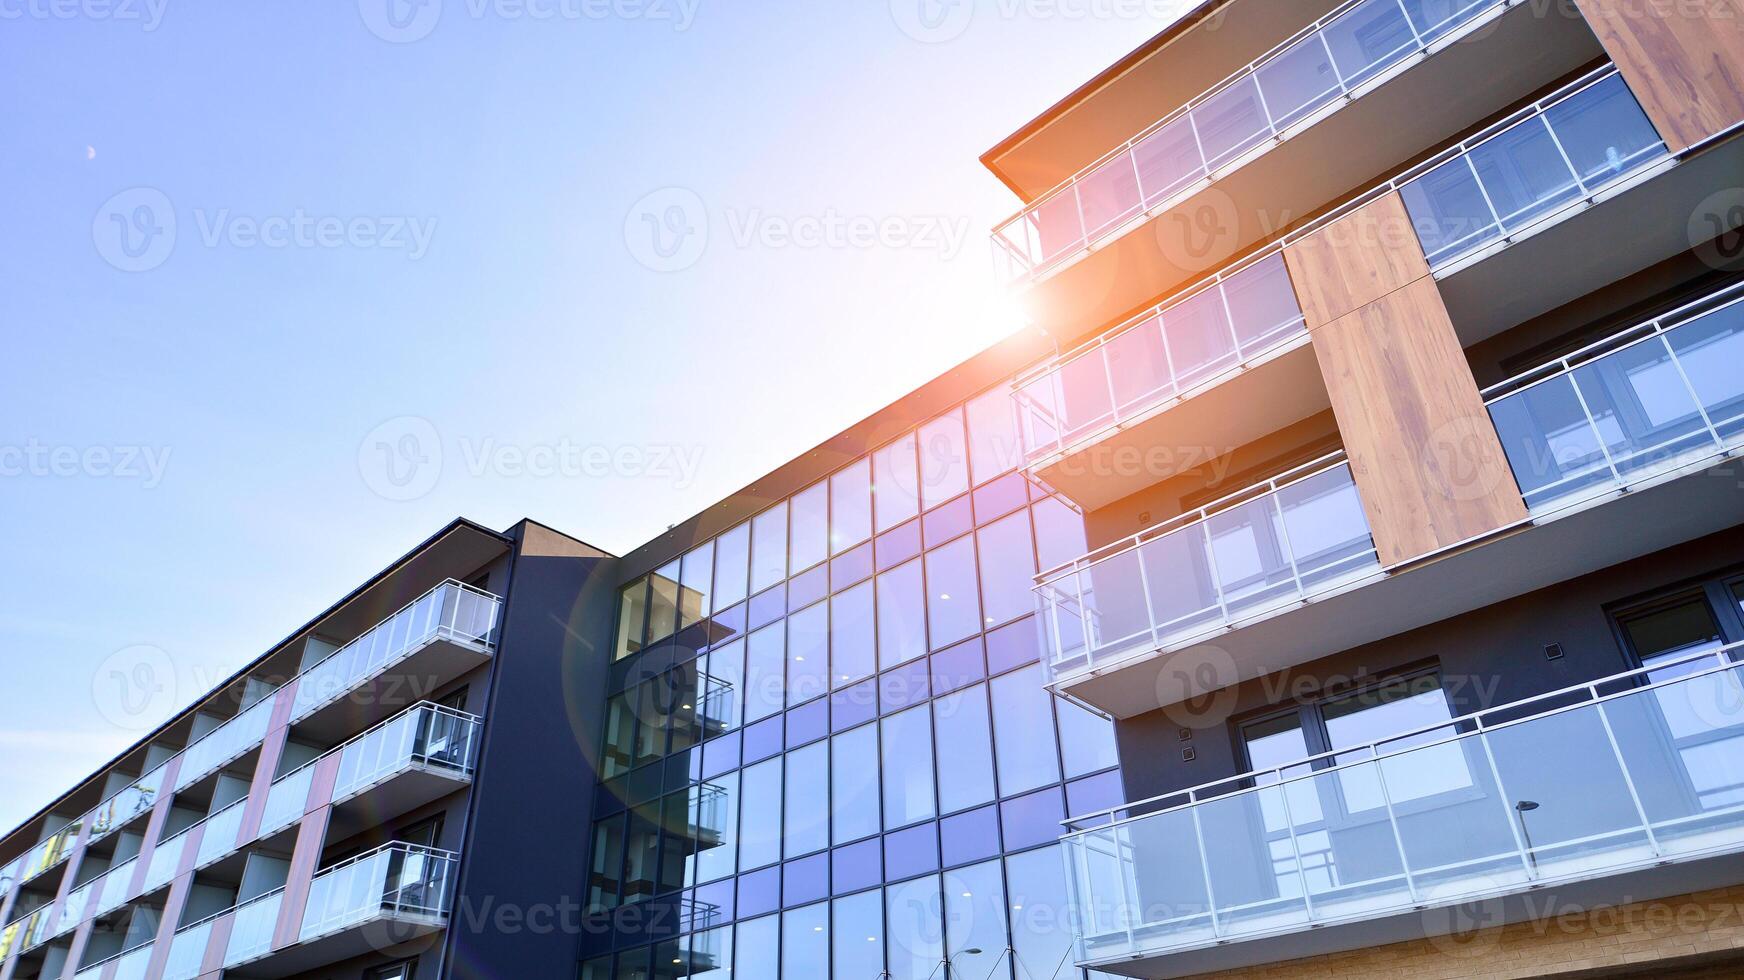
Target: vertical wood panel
pixel 81 939
pixel 154 824
pixel 1427 462
pixel 217 946
pixel 305 861
pixel 271 750
pixel 1355 260
pixel 1684 61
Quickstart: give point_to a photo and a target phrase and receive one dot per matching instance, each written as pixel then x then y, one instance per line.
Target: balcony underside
pixel 1354 144
pixel 403 684
pixel 1471 925
pixel 1227 412
pixel 1655 217
pixel 395 796
pixel 376 936
pixel 1700 499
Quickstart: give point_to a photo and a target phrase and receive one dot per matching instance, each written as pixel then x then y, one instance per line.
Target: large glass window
pixel 604 876
pixel 1023 727
pixel 1040 921
pixel 757 948
pixel 993 443
pixel 853 642
pixel 915 912
pixel 808 659
pixel 765 672
pixel 966 763
pixel 732 566
pixel 858 934
pixel 944 462
pixel 722 688
pixel 975 913
pixel 708 955
pixel 632 618
pixel 760 815
pixel 1007 569
pixel 850 506
pixel 896 483
pixel 1086 739
pixel 769 547
pixel 620 742
pixel 715 821
pixel 805 941
pixel 908 771
pixel 901 615
pixel 854 784
pixel 809 541
pixel 953 603
pixel 807 809
pixel 663 603
pixel 696 582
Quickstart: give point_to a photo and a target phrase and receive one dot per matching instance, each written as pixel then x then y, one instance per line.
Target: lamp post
pixel 1522 808
pixel 945 964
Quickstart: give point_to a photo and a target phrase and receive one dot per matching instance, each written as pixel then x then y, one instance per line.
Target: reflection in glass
pixel 908 771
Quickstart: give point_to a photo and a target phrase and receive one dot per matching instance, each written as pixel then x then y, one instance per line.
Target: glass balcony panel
pixel 220 836
pixel 1368 39
pixel 1434 18
pixel 1262 305
pixel 1338 828
pixel 187 953
pixel 1456 842
pixel 132 964
pixel 1524 173
pixel 1057 225
pixel 1298 80
pixel 1231 122
pixel 1551 445
pixel 73 909
pixel 165 858
pixel 1116 603
pixel 1201 341
pixel 1710 349
pixel 1327 528
pixel 1085 401
pixel 445 739
pixel 1641 406
pixel 1038 402
pixel 287 800
pixel 1168 161
pixel 1604 131
pixel 1256 882
pixel 251 934
pixel 1167 881
pixel 115 885
pixel 398 879
pixel 1109 194
pixel 1683 746
pixel 1063 625
pixel 1449 211
pixel 1251 558
pixel 1138 365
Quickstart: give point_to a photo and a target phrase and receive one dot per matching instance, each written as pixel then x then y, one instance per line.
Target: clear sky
pixel 288 285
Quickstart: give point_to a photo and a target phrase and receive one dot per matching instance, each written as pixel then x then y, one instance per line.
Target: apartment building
pixel 1344 578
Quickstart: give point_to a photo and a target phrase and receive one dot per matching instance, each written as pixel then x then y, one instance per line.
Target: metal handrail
pixel 384 848
pixel 462 586
pixel 1472 722
pixel 1240 74
pixel 1288 478
pixel 395 719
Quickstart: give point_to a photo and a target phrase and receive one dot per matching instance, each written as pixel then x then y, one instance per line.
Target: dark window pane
pixel 808 724
pixel 912 851
pixel 854 705
pixel 720 755
pixel 760 892
pixel 969 836
pixel 717 900
pixel 1033 819
pixel 763 739
pixel 898 546
pixel 904 686
pixel 857 866
pixel 960 665
pixel 953 605
pixel 607 868
pixel 1674 631
pixel 805 880
pixel 952 520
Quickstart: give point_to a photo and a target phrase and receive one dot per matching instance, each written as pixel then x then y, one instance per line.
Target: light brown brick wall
pixel 1703 931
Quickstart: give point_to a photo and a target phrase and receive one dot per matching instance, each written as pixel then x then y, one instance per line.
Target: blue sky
pixel 289 285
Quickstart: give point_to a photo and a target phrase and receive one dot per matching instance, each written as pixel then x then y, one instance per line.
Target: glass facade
pixel 859 769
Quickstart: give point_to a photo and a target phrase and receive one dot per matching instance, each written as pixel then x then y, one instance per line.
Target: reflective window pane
pixel 1059 533
pixel 993 443
pixel 808 664
pixel 854 784
pixel 1023 731
pixel 760 815
pixel 632 618
pixel 896 483
pixel 722 686
pixel 975 911
pixel 1086 739
pixel 715 817
pixel 908 771
pixel 757 948
pixel 966 761
pixel 807 807
pixel 901 616
pixel 805 941
pixel 858 936
pixel 853 653
pixel 696 581
pixel 769 547
pixel 1040 936
pixel 944 463
pixel 915 912
pixel 709 955
pixel 732 566
pixel 953 602
pixel 765 672
pixel 809 536
pixel 1007 569
pixel 663 603
pixel 850 506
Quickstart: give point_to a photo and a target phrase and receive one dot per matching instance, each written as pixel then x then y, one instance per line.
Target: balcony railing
pixel 1562 150
pixel 73 909
pixel 287 800
pixel 1276 543
pixel 252 927
pixel 1632 771
pixel 219 837
pixel 226 743
pixel 129 965
pixel 1649 399
pixel 398 881
pixel 112 891
pixel 27 930
pixel 1161 356
pixel 129 802
pixel 1333 59
pixel 166 857
pixel 188 951
pixel 48 855
pixel 451 611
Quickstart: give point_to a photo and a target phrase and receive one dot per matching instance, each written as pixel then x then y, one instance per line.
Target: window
pixel 850 506
pixel 1007 569
pixel 810 535
pixel 721 686
pixel 852 641
pixel 1086 740
pixel 404 970
pixel 632 618
pixel 944 464
pixel 1023 725
pixel 854 784
pixel 808 660
pixel 1038 888
pixel 710 955
pixel 901 616
pixel 895 486
pixel 758 947
pixel 732 565
pixel 966 767
pixel 715 815
pixel 604 876
pixel 974 909
pixel 915 912
pixel 696 580
pixel 807 807
pixel 993 443
pixel 953 602
pixel 858 936
pixel 760 815
pixel 663 603
pixel 620 742
pixel 769 548
pixel 908 771
pixel 805 941
pixel 765 672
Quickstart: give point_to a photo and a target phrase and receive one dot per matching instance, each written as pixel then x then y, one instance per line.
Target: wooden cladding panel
pixel 1684 61
pixel 1425 456
pixel 1356 260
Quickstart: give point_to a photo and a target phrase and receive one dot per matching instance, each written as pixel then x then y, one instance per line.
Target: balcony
pixel 383 898
pixel 129 965
pixel 225 744
pixel 1653 399
pixel 435 638
pixel 415 758
pixel 1263 550
pixel 1626 789
pixel 1216 367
